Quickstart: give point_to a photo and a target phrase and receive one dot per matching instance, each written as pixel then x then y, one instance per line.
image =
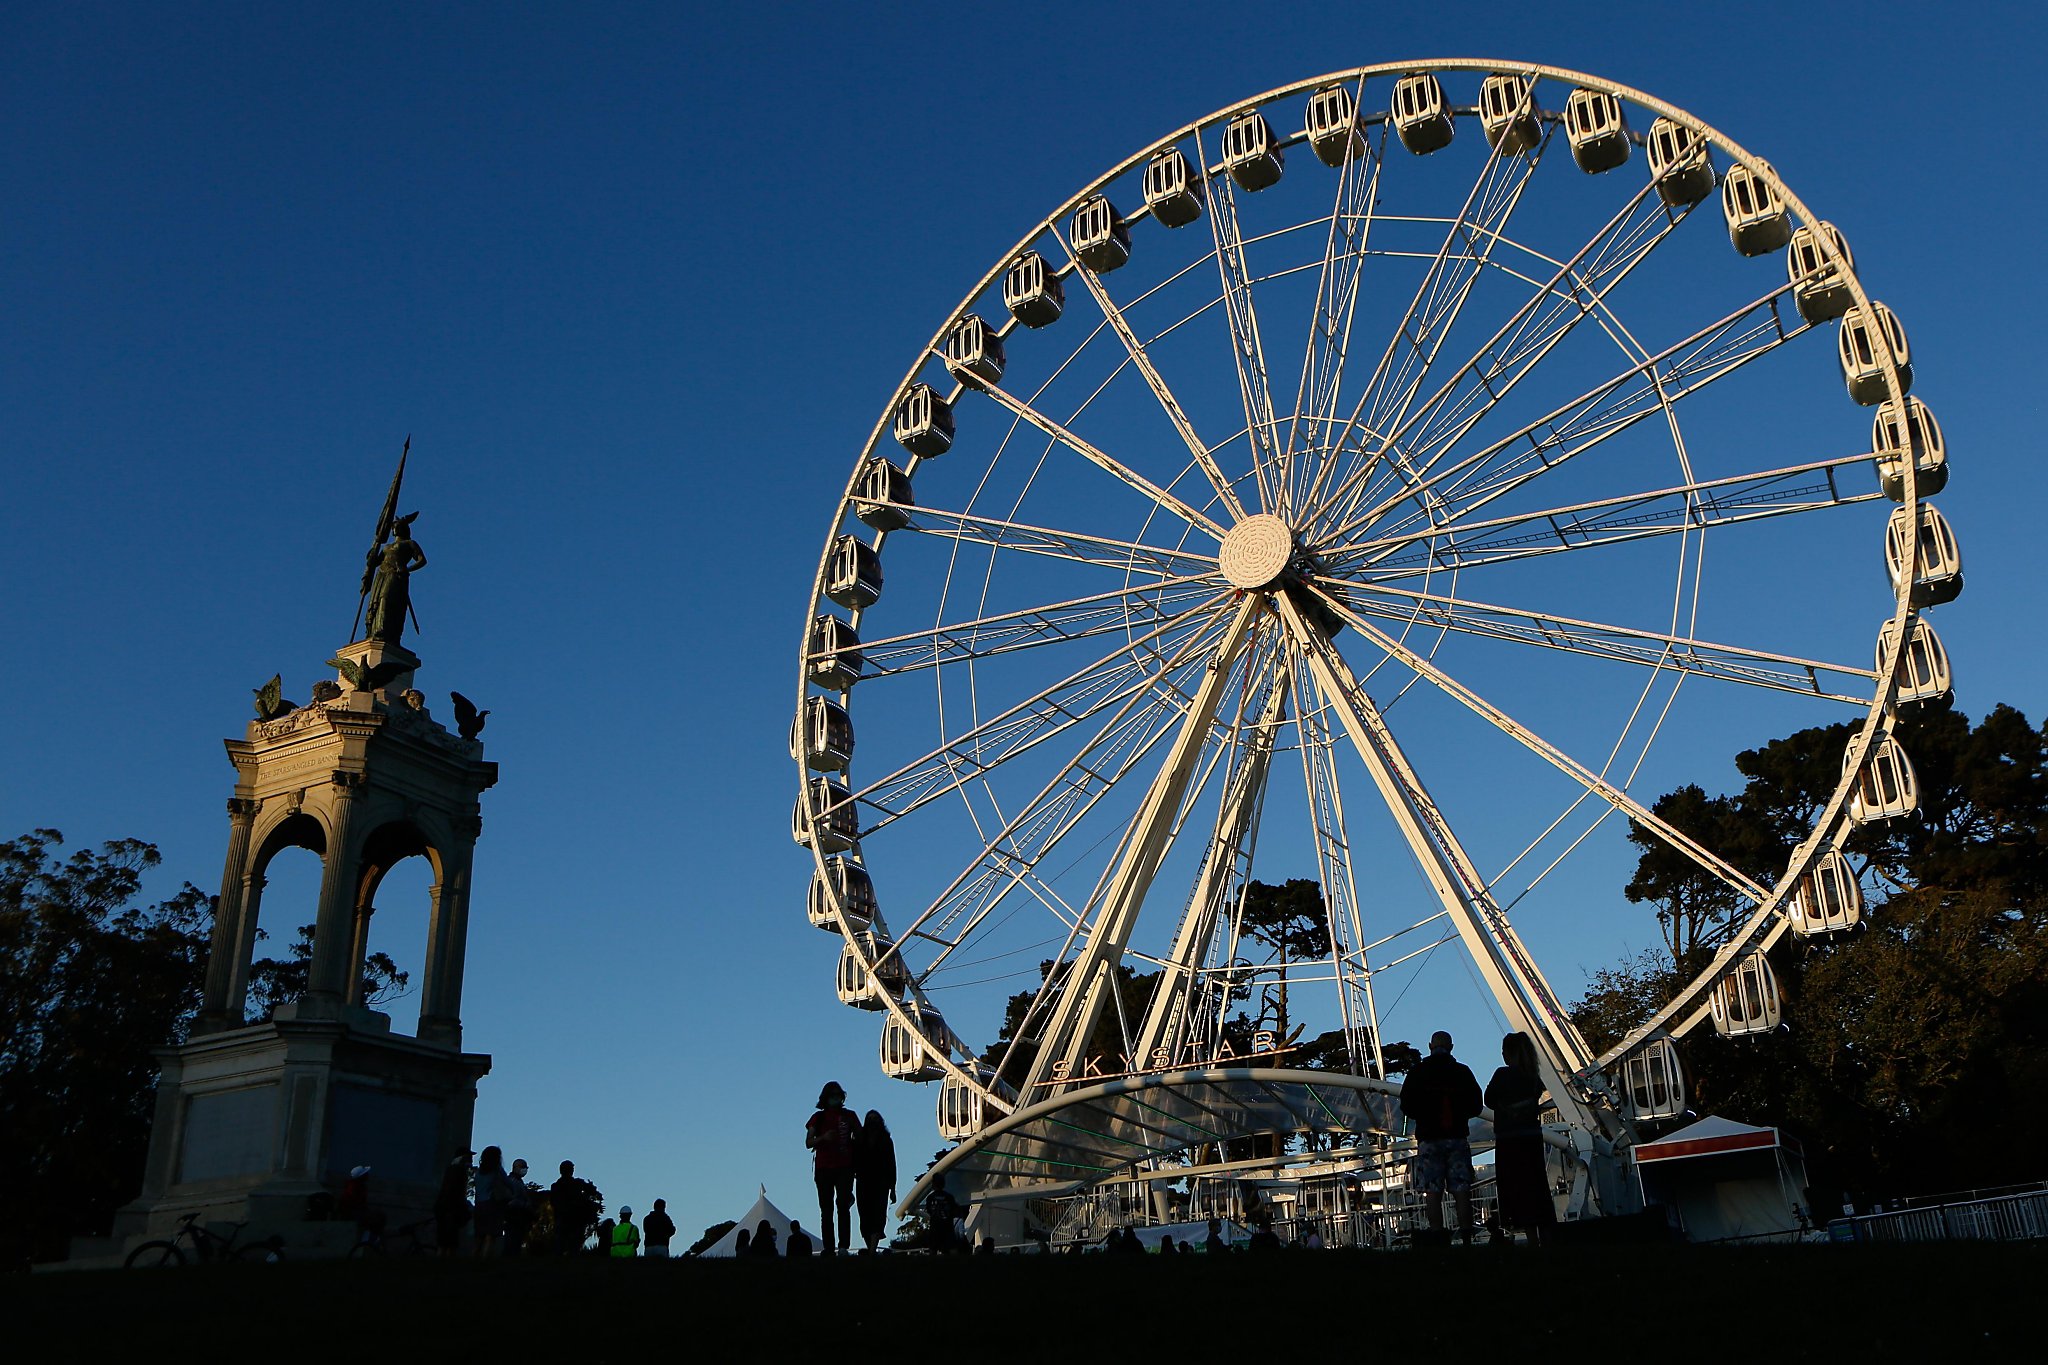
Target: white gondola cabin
pixel 1679 163
pixel 1914 436
pixel 1923 671
pixel 1652 1082
pixel 1597 129
pixel 1099 235
pixel 1173 189
pixel 833 656
pixel 822 735
pixel 924 422
pixel 1862 342
pixel 964 1108
pixel 1828 899
pixel 837 829
pixel 843 889
pixel 1820 288
pixel 1335 131
pixel 914 1054
pixel 974 352
pixel 1746 1000
pixel 1507 111
pixel 1757 221
pixel 859 981
pixel 1032 291
pixel 881 497
pixel 853 577
pixel 1938 577
pixel 1251 151
pixel 1887 788
pixel 1422 115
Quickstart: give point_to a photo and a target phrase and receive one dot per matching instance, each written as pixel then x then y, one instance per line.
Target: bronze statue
pixel 390 594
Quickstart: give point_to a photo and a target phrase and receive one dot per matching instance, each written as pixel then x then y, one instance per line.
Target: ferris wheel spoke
pixel 1329 340
pixel 1731 497
pixel 1707 859
pixel 1139 605
pixel 1116 468
pixel 1171 1015
pixel 1650 387
pixel 1141 360
pixel 1165 562
pixel 1133 668
pixel 1241 315
pixel 1602 640
pixel 1747 498
pixel 1334 869
pixel 1576 291
pixel 1468 247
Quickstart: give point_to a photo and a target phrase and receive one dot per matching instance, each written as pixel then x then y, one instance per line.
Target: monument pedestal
pixel 251 1122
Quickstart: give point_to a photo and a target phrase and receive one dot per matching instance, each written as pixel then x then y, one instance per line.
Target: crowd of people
pixel 500 1212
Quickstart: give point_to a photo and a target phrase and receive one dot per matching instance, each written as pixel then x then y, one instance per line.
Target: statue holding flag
pixel 388 567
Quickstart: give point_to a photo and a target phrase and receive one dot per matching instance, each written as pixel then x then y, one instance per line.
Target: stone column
pixel 327 984
pixel 447 942
pixel 229 909
pixel 359 950
pixel 245 948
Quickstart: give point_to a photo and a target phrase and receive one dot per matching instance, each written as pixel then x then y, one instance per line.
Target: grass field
pixel 1668 1303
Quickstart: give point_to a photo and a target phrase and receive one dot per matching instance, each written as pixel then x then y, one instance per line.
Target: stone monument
pixel 255 1117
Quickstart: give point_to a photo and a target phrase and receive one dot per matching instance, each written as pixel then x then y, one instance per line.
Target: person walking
pixel 569 1199
pixel 451 1204
pixel 519 1210
pixel 1441 1097
pixel 874 1180
pixel 1521 1177
pixel 833 1135
pixel 493 1199
pixel 625 1241
pixel 659 1228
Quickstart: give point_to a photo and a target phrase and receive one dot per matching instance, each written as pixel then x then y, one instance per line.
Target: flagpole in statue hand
pixel 385 519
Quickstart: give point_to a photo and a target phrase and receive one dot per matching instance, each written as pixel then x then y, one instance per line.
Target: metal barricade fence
pixel 2005 1218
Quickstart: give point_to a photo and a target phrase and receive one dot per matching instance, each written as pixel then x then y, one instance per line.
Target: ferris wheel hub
pixel 1256 551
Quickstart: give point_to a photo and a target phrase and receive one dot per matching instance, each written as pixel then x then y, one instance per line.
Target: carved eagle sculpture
pixel 270 702
pixel 366 679
pixel 468 720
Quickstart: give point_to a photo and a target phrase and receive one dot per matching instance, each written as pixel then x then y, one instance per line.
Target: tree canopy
pixel 1915 1053
pixel 93 983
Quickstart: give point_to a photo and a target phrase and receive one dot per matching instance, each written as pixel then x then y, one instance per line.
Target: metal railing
pixel 2002 1218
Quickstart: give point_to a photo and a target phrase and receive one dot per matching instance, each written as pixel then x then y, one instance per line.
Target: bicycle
pixel 381 1243
pixel 206 1244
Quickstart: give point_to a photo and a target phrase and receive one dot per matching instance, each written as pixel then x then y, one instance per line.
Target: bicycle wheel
pixel 150 1255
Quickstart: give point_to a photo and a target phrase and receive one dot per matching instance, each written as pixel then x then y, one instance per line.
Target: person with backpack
pixel 833 1135
pixel 1441 1097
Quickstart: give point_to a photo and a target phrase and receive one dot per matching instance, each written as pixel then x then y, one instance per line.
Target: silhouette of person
pixel 659 1228
pixel 763 1244
pixel 1214 1243
pixel 451 1205
pixel 569 1199
pixel 493 1198
pixel 1441 1097
pixel 519 1210
pixel 874 1179
pixel 1521 1178
pixel 625 1239
pixel 743 1245
pixel 833 1135
pixel 800 1244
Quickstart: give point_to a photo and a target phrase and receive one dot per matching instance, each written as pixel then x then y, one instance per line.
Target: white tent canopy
pixel 751 1219
pixel 1727 1180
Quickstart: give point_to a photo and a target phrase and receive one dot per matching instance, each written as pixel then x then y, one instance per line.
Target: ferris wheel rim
pixel 1766 924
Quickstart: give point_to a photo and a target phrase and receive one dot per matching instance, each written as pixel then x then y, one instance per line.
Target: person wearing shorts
pixel 1441 1097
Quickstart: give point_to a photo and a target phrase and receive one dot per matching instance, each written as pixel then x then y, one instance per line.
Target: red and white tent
pixel 1726 1180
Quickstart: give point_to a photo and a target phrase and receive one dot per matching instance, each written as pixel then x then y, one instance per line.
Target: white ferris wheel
pixel 1396 480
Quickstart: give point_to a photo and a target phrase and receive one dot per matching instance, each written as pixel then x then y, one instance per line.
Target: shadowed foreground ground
pixel 1617 1303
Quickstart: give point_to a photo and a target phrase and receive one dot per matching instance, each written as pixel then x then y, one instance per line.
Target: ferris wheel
pixel 1393 482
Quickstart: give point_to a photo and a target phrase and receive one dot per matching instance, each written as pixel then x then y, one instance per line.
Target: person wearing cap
pixel 1441 1097
pixel 833 1135
pixel 625 1237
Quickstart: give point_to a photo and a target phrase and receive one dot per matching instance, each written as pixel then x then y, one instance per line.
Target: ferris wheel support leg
pixel 1093 978
pixel 1574 1080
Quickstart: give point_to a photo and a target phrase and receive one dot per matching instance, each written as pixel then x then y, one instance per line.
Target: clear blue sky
pixel 638 282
